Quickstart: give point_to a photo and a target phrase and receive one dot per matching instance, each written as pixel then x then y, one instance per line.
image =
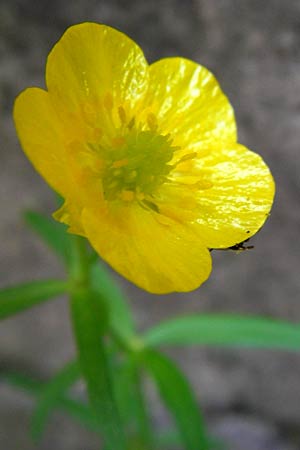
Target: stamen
pixel 151 205
pixel 187 157
pixel 89 112
pixel 108 101
pixel 113 184
pixel 127 196
pixel 118 141
pixel 136 161
pixel 119 163
pixel 132 175
pixel 122 115
pixel 131 123
pixel 152 121
pixel 97 134
pixel 140 195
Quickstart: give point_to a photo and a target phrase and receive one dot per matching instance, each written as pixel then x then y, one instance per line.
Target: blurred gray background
pixel 250 398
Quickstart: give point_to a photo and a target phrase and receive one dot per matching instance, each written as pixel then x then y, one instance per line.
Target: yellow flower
pixel 145 156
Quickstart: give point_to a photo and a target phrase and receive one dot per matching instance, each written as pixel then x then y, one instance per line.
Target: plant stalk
pixel 90 324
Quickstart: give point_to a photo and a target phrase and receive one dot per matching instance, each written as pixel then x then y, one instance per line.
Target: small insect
pixel 239 247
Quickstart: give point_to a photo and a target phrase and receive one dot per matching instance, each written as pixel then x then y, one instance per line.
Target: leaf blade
pixel 76 409
pixel 119 313
pixel 53 233
pixel 129 393
pixel 18 298
pixel 178 396
pixel 226 330
pixel 50 396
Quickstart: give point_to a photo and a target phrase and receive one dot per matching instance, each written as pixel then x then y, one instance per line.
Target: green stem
pixel 76 409
pixel 90 324
pixel 80 264
pixel 128 344
pixel 143 420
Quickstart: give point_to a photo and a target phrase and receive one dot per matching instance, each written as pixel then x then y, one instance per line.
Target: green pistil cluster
pixel 137 166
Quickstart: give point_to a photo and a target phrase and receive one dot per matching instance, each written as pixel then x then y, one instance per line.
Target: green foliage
pixel 127 382
pixel 178 397
pixel 112 358
pixel 18 298
pixel 90 324
pixel 51 232
pixel 74 408
pixel 120 317
pixel 50 395
pixel 170 439
pixel 225 330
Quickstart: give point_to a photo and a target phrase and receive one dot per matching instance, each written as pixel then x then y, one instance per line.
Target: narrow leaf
pixel 142 414
pixel 123 386
pixel 50 395
pixel 19 298
pixel 90 323
pixel 131 403
pixel 76 409
pixel 121 320
pixel 170 439
pixel 226 330
pixel 51 232
pixel 178 397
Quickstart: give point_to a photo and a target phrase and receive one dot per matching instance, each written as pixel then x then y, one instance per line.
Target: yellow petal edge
pixel 145 156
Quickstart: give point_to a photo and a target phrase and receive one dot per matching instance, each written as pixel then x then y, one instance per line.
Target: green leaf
pixel 130 397
pixel 141 410
pixel 50 395
pixel 19 298
pixel 170 439
pixel 52 232
pixel 124 389
pixel 90 322
pixel 22 381
pixel 178 397
pixel 226 330
pixel 76 409
pixel 121 321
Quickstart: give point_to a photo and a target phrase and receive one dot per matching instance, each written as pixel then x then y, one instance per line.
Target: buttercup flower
pixel 145 156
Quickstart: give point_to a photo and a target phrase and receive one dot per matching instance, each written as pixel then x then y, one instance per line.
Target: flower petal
pixel 40 134
pixel 189 103
pixel 235 202
pixel 93 60
pixel 158 257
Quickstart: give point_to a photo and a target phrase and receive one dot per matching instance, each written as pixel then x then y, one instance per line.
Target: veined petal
pixel 189 103
pixel 40 133
pixel 145 157
pixel 235 203
pixel 160 257
pixel 92 61
pixel 44 140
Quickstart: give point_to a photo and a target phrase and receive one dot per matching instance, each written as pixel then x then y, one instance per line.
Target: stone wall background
pixel 250 398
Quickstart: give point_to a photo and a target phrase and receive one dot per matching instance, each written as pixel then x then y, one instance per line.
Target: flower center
pixel 131 154
pixel 138 166
pixel 135 162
